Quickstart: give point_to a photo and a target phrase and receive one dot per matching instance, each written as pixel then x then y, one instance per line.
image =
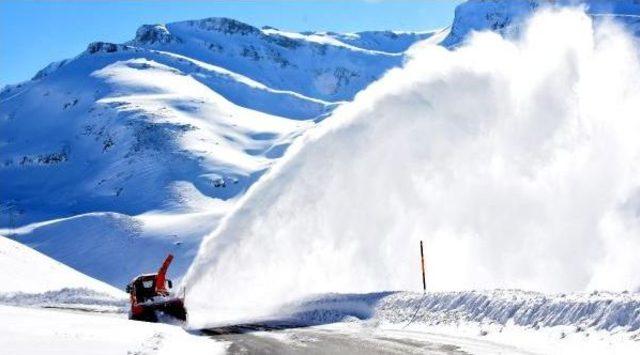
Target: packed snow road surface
pixel 27 331
pixel 341 339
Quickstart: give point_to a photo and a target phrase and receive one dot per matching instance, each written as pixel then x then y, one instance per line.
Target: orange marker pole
pixel 424 282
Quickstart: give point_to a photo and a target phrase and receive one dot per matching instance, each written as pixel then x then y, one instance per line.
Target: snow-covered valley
pixel 292 175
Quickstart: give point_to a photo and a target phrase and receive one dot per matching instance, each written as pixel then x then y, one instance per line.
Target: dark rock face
pixel 151 34
pixel 42 159
pixel 225 25
pixel 343 77
pixel 283 41
pixel 251 52
pixel 103 47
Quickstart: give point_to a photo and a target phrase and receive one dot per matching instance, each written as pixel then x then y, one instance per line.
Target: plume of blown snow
pixel 516 161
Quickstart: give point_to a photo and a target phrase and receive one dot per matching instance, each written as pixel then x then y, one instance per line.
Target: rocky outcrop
pixel 104 47
pixel 152 34
pixel 224 25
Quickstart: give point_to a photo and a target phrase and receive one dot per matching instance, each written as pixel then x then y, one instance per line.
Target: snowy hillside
pixel 321 69
pixel 378 41
pixel 31 278
pixel 131 136
pixel 130 151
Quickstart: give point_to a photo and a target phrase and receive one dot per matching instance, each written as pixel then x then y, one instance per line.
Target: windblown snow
pixel 515 160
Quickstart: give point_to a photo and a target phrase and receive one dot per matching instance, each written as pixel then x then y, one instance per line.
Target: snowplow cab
pixel 144 287
pixel 150 296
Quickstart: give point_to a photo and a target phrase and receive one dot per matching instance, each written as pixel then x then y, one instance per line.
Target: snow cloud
pixel 516 161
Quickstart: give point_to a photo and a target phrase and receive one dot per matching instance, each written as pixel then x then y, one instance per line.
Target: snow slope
pixel 32 279
pixel 377 41
pixel 28 271
pixel 131 136
pixel 327 71
pixel 130 151
pixel 121 246
pixel 514 160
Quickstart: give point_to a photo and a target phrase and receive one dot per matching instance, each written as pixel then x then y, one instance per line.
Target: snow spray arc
pixel 517 158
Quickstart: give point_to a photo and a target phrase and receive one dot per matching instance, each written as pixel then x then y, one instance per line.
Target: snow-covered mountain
pixel 515 160
pixel 128 151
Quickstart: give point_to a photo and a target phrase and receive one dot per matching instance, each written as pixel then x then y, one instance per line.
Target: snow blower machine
pixel 151 299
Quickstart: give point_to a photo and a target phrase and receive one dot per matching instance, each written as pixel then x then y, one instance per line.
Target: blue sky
pixel 35 33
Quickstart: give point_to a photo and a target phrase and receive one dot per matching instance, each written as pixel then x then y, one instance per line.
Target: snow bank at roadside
pixel 600 311
pixel 72 298
pixel 526 322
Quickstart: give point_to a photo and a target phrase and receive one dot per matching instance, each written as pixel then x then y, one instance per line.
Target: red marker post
pixel 424 282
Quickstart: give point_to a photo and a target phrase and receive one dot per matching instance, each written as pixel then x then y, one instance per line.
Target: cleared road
pixel 345 340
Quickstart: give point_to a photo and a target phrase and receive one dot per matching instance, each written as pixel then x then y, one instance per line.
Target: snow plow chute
pixel 161 276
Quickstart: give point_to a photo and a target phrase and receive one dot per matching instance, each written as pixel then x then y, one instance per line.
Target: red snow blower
pixel 150 296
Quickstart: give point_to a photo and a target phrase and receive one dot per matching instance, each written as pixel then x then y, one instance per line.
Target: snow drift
pixel 514 160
